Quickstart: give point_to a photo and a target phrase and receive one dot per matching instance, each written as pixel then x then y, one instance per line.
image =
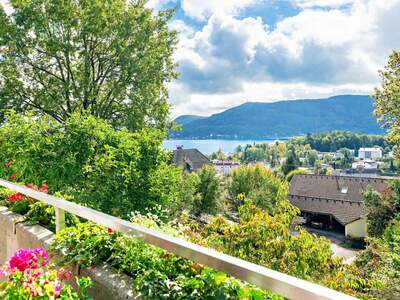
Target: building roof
pixel 190 159
pixel 339 196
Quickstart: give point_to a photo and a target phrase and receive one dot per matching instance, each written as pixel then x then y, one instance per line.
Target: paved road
pixel 348 255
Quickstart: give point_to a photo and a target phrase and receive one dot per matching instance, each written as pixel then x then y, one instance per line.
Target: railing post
pixel 60 219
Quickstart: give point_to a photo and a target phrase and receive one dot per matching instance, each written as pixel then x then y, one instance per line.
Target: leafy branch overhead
pixel 110 58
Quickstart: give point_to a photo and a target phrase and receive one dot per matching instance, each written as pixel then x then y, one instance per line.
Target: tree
pixel 291 174
pixel 292 161
pixel 387 97
pixel 312 157
pixel 382 207
pixel 257 183
pixel 110 58
pixel 207 190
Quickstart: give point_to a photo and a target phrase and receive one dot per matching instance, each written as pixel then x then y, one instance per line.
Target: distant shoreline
pixel 232 139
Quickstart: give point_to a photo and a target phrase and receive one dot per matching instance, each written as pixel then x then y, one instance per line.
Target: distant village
pixel 327 186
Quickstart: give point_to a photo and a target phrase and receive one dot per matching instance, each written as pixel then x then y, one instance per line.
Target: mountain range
pixel 257 120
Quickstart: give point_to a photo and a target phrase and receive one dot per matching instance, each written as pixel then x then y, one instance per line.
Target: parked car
pixel 317 225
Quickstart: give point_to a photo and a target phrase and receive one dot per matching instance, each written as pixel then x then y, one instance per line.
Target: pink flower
pixel 58 289
pixel 3 273
pixel 27 259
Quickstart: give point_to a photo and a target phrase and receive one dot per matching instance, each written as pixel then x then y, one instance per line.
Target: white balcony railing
pixel 285 285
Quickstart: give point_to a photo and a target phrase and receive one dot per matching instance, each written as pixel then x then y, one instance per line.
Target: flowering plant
pixel 19 203
pixel 29 275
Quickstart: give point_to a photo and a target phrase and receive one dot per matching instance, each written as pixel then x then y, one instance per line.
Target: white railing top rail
pixel 285 285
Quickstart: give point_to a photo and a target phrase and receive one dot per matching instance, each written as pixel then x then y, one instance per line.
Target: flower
pixel 27 259
pixel 63 274
pixel 57 290
pixel 13 176
pixel 110 231
pixel 44 188
pixel 3 273
pixel 16 197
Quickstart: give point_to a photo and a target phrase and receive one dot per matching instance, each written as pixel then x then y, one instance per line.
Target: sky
pixel 235 51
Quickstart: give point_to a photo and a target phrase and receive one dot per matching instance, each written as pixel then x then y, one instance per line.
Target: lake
pixel 209 146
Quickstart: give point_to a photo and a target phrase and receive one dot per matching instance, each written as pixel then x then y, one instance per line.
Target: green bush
pixel 114 171
pixel 157 274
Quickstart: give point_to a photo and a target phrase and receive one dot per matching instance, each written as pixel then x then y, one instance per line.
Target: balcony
pixel 282 284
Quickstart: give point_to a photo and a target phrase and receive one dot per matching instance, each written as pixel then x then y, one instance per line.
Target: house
pixel 369 153
pixel 225 167
pixel 336 202
pixel 365 165
pixel 190 159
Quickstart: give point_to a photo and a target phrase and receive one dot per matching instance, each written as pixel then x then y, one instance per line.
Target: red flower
pixel 110 231
pixel 44 188
pixel 64 274
pixel 16 197
pixel 31 186
pixel 13 176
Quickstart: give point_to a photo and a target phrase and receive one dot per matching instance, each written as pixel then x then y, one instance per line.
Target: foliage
pixel 387 97
pixel 85 244
pixel 382 207
pixel 292 161
pixel 217 155
pixel 110 170
pixel 109 58
pixel 295 172
pixel 158 274
pixel 30 276
pixel 207 191
pixel 258 184
pixel 335 140
pixel 268 241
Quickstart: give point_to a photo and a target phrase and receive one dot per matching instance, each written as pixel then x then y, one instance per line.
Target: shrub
pixel 157 274
pixel 268 241
pixel 114 171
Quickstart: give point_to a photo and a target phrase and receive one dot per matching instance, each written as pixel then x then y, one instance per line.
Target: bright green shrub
pixel 267 240
pixel 114 171
pixel 85 244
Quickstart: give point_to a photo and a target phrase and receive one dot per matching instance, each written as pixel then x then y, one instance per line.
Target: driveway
pixel 336 239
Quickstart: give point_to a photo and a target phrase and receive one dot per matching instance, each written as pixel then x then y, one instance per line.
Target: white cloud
pixel 323 3
pixel 317 52
pixel 201 9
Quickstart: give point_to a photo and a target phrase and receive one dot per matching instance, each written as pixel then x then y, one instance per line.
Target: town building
pixel 225 167
pixel 335 202
pixel 370 153
pixel 189 159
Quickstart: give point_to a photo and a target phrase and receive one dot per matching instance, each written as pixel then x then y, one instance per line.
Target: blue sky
pixel 233 51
